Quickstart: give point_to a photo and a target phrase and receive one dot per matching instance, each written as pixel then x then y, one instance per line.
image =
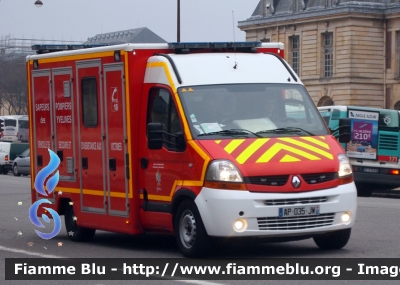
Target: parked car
pixel 22 164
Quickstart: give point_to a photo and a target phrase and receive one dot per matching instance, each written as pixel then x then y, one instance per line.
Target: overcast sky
pixel 77 20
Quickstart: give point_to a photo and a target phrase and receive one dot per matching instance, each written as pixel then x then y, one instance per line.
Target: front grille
pixel 319 177
pixel 278 180
pixel 295 223
pixel 294 201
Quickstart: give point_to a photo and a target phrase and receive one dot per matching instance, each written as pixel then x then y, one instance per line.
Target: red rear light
pixel 6 158
pixel 394 171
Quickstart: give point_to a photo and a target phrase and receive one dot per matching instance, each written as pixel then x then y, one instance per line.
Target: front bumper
pixel 220 209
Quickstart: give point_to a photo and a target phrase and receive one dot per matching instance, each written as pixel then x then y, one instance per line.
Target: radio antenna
pixel 233 25
pixel 233 29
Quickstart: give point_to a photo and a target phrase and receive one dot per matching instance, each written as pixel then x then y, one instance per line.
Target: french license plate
pixel 298 211
pixel 370 170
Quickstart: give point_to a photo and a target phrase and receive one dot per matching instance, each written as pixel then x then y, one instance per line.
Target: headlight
pixel 223 170
pixel 344 165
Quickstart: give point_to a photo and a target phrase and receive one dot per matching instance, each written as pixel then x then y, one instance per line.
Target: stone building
pixel 345 52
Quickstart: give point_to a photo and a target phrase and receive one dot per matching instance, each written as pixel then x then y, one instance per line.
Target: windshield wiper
pixel 230 132
pixel 286 130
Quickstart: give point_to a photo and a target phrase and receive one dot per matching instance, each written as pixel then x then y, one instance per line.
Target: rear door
pixel 43 122
pixel 64 134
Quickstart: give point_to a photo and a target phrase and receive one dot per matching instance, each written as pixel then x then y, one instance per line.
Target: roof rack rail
pixel 59 47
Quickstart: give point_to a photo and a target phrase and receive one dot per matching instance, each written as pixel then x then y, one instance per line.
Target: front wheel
pixel 190 233
pixel 333 240
pixel 75 232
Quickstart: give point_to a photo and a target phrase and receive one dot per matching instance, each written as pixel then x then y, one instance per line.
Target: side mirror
pixel 344 130
pixel 154 136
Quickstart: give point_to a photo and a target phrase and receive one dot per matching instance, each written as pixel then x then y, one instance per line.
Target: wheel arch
pixel 181 195
pixel 62 205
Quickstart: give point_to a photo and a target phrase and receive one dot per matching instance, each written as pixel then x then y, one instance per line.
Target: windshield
pixel 10 122
pixel 250 110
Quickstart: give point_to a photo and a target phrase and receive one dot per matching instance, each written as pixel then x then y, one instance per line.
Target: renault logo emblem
pixel 296 182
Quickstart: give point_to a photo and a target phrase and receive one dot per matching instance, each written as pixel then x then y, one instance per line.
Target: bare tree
pixel 13 86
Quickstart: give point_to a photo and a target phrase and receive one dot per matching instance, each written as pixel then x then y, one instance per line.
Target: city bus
pixel 374 146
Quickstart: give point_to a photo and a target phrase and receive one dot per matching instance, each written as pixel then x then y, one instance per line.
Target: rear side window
pixel 89 102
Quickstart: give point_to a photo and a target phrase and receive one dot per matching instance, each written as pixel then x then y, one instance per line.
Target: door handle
pixel 85 163
pixel 144 163
pixel 112 164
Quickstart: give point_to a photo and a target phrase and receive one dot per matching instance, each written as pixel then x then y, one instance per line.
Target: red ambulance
pixel 199 140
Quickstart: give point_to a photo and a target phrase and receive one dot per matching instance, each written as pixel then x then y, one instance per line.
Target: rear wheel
pixel 4 170
pixel 333 240
pixel 190 233
pixel 75 232
pixel 15 170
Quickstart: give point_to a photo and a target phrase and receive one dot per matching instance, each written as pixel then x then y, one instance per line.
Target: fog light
pixel 240 225
pixel 346 217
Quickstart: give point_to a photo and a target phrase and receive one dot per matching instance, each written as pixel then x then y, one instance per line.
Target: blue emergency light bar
pixel 234 46
pixel 179 47
pixel 201 45
pixel 57 47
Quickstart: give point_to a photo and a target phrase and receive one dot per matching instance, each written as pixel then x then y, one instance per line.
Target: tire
pixel 333 240
pixel 191 236
pixel 15 170
pixel 4 170
pixel 78 233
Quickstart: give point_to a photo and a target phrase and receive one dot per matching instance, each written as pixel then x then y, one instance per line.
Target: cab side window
pixel 162 109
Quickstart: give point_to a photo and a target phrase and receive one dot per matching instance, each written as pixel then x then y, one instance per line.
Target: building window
pixel 294 44
pixel 398 52
pixel 89 102
pixel 295 5
pixel 397 106
pixel 389 50
pixel 328 54
pixel 329 3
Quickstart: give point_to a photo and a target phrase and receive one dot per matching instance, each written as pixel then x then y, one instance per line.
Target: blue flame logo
pixel 50 186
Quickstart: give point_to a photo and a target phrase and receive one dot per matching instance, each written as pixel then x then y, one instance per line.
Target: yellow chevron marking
pixel 190 89
pixel 218 141
pixel 233 145
pixel 289 158
pixel 270 153
pixel 309 147
pixel 184 90
pixel 203 155
pixel 322 144
pixel 322 137
pixel 250 150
